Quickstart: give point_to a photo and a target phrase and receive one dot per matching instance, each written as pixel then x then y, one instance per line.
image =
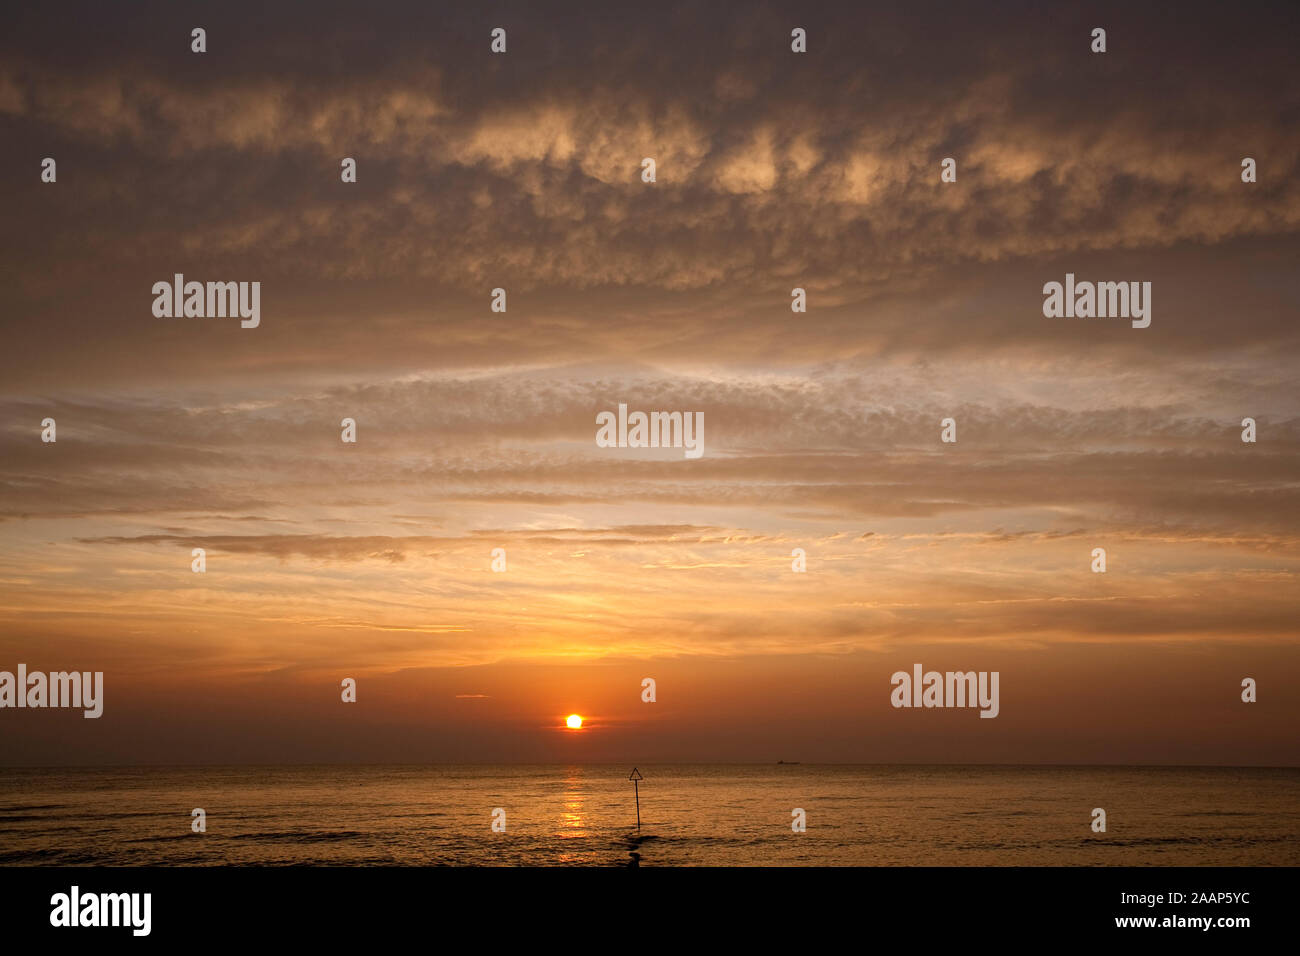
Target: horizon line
pixel 605 763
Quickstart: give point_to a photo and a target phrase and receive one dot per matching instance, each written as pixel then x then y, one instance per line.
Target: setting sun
pixel 574 722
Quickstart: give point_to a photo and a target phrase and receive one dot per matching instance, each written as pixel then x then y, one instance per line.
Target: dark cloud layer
pixel 521 171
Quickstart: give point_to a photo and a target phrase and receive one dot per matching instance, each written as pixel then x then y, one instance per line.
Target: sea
pixel 690 815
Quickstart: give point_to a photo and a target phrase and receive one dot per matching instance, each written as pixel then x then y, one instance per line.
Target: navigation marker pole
pixel 634 777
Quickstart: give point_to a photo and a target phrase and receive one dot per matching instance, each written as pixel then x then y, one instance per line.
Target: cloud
pixel 476 429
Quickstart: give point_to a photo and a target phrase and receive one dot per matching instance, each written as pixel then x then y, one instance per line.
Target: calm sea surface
pixel 691 815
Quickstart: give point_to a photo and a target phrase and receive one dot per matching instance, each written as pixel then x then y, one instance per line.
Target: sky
pixel 476 429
